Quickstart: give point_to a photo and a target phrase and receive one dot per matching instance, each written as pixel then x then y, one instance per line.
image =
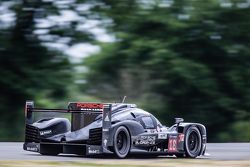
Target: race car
pixel 109 128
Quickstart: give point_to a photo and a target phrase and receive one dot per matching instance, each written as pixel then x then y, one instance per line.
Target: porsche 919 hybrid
pixel 109 128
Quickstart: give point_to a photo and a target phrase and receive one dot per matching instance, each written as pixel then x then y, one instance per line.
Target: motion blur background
pixel 174 58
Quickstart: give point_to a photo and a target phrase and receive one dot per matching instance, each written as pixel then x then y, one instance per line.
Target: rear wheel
pixel 122 142
pixel 192 142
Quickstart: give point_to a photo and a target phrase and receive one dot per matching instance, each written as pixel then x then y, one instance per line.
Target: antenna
pixel 124 98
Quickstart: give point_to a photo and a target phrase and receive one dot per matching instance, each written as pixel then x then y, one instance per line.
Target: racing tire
pixel 122 142
pixel 192 143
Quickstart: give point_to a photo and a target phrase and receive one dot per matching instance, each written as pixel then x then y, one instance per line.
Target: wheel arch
pixel 202 130
pixel 185 127
pixel 134 128
pixel 127 127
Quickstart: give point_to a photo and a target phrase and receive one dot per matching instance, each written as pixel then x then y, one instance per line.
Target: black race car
pixel 112 128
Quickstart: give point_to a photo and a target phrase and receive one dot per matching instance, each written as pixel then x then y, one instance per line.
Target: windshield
pixel 158 122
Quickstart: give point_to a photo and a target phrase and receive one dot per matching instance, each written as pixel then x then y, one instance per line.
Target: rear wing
pixel 79 112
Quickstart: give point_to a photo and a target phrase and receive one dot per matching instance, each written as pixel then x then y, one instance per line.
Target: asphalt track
pixel 215 151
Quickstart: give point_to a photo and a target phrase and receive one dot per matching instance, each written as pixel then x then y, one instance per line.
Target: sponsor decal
pixel 204 138
pixel 46 132
pixel 90 106
pixel 32 148
pixel 181 137
pixel 106 118
pixel 162 136
pixel 145 140
pixel 105 130
pixel 93 151
pixel 105 142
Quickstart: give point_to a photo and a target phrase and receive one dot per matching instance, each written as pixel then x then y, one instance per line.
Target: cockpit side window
pixel 148 122
pixel 157 122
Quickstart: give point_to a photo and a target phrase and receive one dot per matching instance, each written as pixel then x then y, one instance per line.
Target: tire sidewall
pixel 199 147
pixel 125 130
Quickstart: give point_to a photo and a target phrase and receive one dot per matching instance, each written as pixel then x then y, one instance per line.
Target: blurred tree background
pixel 174 58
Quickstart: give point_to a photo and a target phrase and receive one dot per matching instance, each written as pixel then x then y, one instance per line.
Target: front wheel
pixel 192 142
pixel 122 142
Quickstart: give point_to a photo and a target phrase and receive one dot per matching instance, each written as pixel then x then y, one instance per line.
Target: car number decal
pixel 172 144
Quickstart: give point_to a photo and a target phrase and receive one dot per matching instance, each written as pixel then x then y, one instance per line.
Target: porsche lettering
pixel 89 105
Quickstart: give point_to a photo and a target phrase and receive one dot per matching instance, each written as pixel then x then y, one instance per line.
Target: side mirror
pixel 179 120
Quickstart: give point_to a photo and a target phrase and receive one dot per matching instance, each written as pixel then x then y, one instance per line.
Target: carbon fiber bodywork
pixel 92 128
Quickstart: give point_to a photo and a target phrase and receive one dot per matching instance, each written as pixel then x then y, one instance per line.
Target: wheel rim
pixel 193 142
pixel 121 142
